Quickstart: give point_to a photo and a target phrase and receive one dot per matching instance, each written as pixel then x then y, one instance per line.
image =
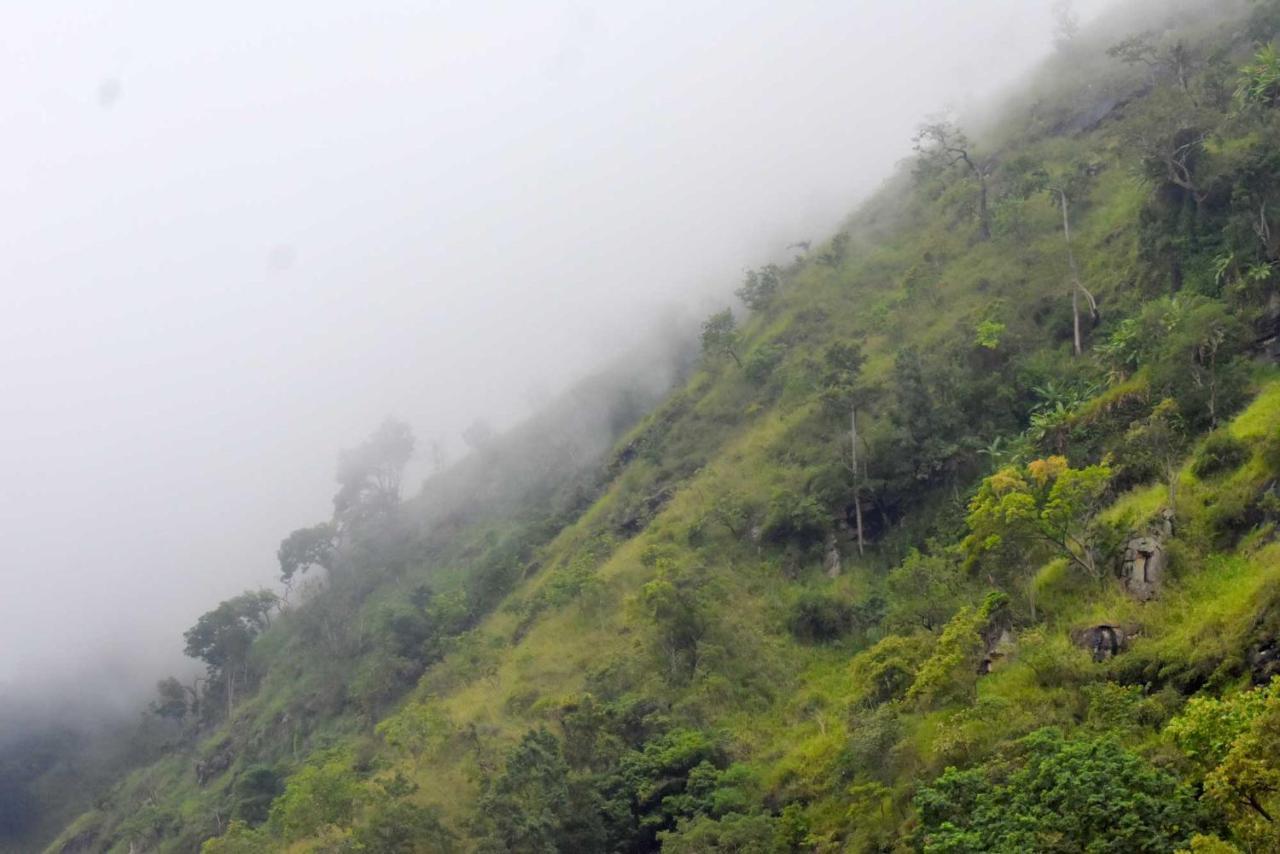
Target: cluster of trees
pixel 222 639
pixel 622 780
pixel 369 477
pixel 1009 447
pixel 1059 794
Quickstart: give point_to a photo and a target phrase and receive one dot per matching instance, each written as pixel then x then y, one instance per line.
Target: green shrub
pixel 400 827
pixel 819 618
pixel 762 361
pixel 1067 795
pixel 254 791
pixel 1271 452
pixel 795 520
pixel 885 671
pixel 1220 452
pixel 733 834
pixel 872 735
pixel 324 792
pixel 240 838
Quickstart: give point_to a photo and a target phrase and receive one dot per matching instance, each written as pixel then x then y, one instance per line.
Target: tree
pixel 1234 741
pixel 794 520
pixel 1170 137
pixel 369 474
pixel 940 144
pixel 1045 507
pixel 1061 795
pixel 1063 186
pixel 1260 79
pixel 842 392
pixel 305 548
pixel 240 838
pixel 673 603
pixel 720 336
pixel 400 827
pixel 1066 24
pixel 326 791
pixel 730 509
pixel 836 251
pixel 171 700
pixel 1063 189
pixel 950 673
pixel 1176 59
pixel 930 421
pixel 534 806
pixel 414 730
pixel 254 790
pixel 818 617
pixel 762 360
pixel 1198 358
pixel 759 287
pixel 923 591
pixel 1158 443
pixel 222 637
pixel 735 833
pixel 673 776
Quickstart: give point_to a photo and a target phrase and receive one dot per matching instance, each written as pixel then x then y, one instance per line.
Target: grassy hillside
pixel 677 642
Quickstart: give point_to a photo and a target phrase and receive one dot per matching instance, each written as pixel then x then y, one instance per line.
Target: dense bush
pixel 1220 452
pixel 795 520
pixel 885 671
pixel 254 791
pixel 820 617
pixel 1059 795
pixel 761 361
pixel 400 827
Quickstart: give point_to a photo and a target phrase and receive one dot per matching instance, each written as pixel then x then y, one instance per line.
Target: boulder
pixel 1104 640
pixel 1144 566
pixel 831 563
pixel 215 763
pixel 998 648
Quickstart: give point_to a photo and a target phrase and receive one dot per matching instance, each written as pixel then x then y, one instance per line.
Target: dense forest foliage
pixel 958 534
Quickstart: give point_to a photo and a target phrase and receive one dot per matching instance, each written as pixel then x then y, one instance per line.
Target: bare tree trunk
pixel 1075 320
pixel 857 490
pixel 1077 287
pixel 984 221
pixel 231 676
pixel 1213 389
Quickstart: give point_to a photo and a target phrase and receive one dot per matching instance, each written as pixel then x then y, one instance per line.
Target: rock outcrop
pixel 831 563
pixel 1104 640
pixel 1145 560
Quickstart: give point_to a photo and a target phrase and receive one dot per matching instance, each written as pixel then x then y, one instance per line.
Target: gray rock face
pixel 831 557
pixel 215 763
pixel 1144 567
pixel 1104 640
pixel 1145 559
pixel 998 647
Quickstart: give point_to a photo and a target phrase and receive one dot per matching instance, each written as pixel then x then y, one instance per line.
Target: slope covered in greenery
pixel 678 642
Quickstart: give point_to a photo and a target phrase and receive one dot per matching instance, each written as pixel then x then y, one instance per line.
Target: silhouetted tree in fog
pixel 720 336
pixel 221 638
pixel 942 145
pixel 369 474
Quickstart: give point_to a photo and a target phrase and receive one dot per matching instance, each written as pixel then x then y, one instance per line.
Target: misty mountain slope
pixel 1069 584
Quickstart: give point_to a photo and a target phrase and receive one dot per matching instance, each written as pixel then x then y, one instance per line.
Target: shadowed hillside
pixel 957 534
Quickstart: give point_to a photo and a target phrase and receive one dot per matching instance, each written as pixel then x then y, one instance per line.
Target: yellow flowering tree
pixel 1045 508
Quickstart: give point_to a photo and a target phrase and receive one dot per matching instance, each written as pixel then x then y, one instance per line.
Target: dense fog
pixel 238 236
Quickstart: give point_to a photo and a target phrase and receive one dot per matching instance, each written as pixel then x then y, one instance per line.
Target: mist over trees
pixel 958 532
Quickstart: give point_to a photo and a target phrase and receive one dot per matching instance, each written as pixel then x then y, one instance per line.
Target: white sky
pixel 237 235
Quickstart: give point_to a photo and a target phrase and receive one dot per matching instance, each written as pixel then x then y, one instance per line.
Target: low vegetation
pixel 959 536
